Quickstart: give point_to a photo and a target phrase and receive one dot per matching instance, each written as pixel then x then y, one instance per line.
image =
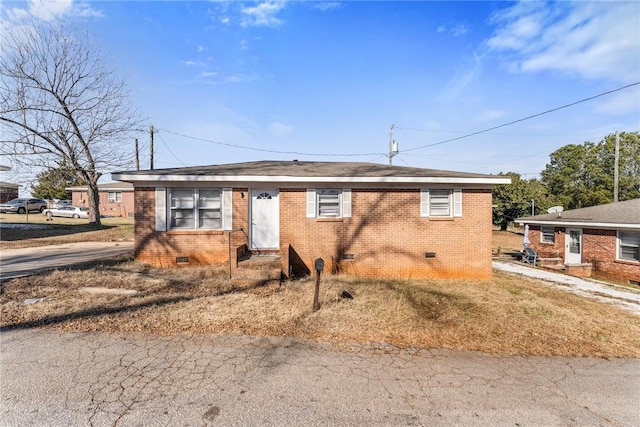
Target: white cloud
pixel 595 40
pixel 462 77
pixel 207 74
pixel 201 49
pixel 458 30
pixel 225 20
pixel 455 31
pixel 326 6
pixel 47 10
pixel 280 129
pixel 262 15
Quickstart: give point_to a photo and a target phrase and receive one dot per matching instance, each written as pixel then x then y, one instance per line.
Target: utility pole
pixel 616 167
pixel 151 152
pixel 393 146
pixel 137 156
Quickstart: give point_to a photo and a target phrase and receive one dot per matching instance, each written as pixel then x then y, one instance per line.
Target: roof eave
pixel 582 224
pixel 301 179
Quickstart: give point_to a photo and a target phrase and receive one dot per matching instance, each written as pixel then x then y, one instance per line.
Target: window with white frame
pixel 629 246
pixel 329 203
pixel 440 203
pixel 114 196
pixel 547 234
pixel 195 208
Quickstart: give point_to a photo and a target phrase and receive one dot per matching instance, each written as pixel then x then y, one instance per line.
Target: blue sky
pixel 329 78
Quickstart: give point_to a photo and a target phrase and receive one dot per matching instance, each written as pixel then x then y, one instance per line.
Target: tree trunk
pixel 94 202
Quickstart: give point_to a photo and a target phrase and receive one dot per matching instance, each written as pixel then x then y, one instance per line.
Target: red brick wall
pixel 161 249
pixel 124 208
pixel 599 247
pixel 386 235
pixel 8 193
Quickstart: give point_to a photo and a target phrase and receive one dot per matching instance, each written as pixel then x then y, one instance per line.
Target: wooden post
pixel 316 296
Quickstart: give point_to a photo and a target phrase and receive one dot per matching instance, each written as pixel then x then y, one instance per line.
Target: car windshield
pixel 84 209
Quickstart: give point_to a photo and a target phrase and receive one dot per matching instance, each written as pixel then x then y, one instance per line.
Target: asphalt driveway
pixel 52 378
pixel 22 262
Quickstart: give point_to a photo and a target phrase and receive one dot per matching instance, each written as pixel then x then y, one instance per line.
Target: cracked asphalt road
pixel 53 378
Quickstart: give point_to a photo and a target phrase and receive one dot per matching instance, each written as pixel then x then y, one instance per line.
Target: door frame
pixel 567 253
pixel 275 222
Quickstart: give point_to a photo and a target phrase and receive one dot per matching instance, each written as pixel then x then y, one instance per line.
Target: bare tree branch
pixel 62 104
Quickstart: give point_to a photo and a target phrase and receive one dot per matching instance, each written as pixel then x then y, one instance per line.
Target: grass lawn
pixel 508 315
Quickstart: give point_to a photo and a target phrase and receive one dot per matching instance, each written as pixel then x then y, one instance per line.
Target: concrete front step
pixel 259 262
pixel 550 262
pixel 258 270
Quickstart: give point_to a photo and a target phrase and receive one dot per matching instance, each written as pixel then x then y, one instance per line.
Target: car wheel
pixel 76 216
pixel 21 210
pixel 49 215
pixel 42 208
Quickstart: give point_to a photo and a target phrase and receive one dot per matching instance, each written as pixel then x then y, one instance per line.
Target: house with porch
pixel 362 219
pixel 600 241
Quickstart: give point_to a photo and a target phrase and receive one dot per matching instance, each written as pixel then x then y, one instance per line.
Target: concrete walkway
pixel 620 296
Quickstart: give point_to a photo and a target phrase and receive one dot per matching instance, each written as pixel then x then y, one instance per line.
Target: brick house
pixel 8 191
pixel 363 219
pixel 603 241
pixel 116 198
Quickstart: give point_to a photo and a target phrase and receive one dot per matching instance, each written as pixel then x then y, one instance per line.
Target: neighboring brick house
pixel 8 191
pixel 116 198
pixel 363 219
pixel 605 239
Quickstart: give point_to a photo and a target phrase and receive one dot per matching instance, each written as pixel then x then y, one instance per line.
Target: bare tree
pixel 61 105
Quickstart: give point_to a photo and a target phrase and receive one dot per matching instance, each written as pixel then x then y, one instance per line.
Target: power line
pixel 377 154
pixel 169 149
pixel 524 118
pixel 244 147
pixel 495 133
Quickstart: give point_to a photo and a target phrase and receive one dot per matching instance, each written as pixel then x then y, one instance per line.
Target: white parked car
pixel 68 212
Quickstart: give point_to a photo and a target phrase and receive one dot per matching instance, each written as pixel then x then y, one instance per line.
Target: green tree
pixel 51 183
pixel 518 198
pixel 583 175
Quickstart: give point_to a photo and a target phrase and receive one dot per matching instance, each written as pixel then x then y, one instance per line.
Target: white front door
pixel 265 219
pixel 573 246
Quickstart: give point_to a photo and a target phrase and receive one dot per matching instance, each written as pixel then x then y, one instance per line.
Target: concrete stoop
pixel 551 263
pixel 258 270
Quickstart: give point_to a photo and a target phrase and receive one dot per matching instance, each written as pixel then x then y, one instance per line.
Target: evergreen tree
pixel 51 184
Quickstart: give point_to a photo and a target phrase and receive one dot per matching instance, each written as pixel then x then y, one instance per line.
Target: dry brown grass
pixel 507 241
pixel 509 315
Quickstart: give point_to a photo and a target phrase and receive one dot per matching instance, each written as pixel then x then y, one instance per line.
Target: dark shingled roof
pixel 613 213
pixel 307 169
